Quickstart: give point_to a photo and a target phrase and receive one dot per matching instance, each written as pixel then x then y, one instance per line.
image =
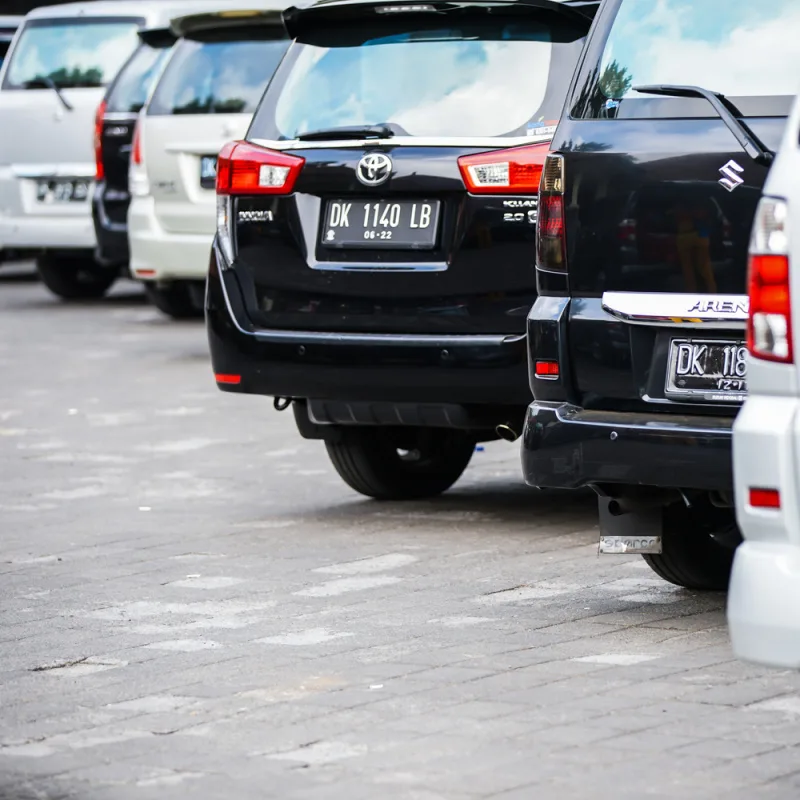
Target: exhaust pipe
pixel 506 432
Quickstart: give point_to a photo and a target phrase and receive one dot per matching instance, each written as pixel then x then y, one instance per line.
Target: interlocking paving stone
pixel 193 604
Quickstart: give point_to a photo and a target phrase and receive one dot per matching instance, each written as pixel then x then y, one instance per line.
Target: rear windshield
pixel 744 50
pixel 226 77
pixel 133 84
pixel 72 53
pixel 475 77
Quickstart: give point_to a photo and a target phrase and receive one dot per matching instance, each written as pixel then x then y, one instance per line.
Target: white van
pixel 51 84
pixel 205 97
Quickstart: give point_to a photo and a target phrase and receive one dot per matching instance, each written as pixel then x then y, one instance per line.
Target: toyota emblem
pixel 374 169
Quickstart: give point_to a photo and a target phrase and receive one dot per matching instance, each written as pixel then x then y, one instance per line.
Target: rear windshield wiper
pixel 347 132
pixel 727 111
pixel 50 84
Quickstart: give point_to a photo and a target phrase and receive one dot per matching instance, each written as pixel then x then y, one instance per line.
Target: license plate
pixel 385 224
pixel 714 370
pixel 62 191
pixel 208 172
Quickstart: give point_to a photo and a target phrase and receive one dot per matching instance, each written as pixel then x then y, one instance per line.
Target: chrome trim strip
pixel 671 309
pixel 405 141
pixel 121 116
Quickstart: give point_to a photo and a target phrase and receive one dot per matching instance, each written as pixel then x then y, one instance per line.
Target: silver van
pixel 51 84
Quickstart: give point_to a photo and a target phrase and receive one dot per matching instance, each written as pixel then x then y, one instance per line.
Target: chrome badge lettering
pixel 255 216
pixel 730 175
pixel 721 307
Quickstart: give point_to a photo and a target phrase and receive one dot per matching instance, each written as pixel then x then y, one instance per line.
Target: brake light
pixel 551 241
pixel 136 151
pixel 138 182
pixel 546 370
pixel 769 329
pixel 248 169
pixel 516 170
pixel 99 172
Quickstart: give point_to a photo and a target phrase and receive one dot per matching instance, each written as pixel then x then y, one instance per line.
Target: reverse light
pixel 546 370
pixel 765 498
pixel 247 169
pixel 516 170
pixel 769 329
pixel 551 241
pixel 138 182
pixel 100 171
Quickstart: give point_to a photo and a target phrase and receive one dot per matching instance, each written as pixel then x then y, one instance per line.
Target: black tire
pixel 175 300
pixel 75 277
pixel 400 463
pixel 698 545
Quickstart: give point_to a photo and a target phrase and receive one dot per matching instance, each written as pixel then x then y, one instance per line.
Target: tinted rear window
pixel 479 76
pixel 747 51
pixel 133 84
pixel 226 77
pixel 73 53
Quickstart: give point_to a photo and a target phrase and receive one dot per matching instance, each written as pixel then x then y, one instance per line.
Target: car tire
pixel 75 277
pixel 698 546
pixel 175 300
pixel 399 464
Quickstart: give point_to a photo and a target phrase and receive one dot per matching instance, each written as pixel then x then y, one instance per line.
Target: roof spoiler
pixel 198 24
pixel 297 17
pixel 157 37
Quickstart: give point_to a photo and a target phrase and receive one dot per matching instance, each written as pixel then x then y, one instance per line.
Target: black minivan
pixel 637 355
pixel 374 261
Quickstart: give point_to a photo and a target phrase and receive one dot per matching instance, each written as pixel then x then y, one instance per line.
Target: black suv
pixel 637 356
pixel 374 257
pixel 114 126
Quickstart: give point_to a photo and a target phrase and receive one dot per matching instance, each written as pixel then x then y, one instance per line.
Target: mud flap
pixel 633 533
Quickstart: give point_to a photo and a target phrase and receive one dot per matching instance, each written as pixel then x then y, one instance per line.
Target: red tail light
pixel 551 240
pixel 765 498
pixel 769 329
pixel 100 172
pixel 517 170
pixel 136 152
pixel 546 370
pixel 244 168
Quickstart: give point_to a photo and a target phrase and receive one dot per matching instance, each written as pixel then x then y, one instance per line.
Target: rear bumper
pixel 567 447
pixel 466 371
pixel 47 232
pixel 112 237
pixel 158 255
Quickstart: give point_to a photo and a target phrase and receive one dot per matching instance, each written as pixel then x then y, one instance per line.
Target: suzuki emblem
pixel 374 169
pixel 730 175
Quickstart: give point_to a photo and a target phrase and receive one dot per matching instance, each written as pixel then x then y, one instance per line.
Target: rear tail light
pixel 769 330
pixel 138 182
pixel 247 169
pixel 100 172
pixel 517 170
pixel 551 242
pixel 765 498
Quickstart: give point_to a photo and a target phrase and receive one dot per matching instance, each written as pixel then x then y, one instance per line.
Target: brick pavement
pixel 192 604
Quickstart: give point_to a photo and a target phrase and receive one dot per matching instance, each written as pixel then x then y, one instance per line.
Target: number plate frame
pixel 358 235
pixel 207 180
pixel 712 362
pixel 50 191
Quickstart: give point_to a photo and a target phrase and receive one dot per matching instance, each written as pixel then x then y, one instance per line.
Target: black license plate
pixel 62 191
pixel 713 370
pixel 208 172
pixel 385 224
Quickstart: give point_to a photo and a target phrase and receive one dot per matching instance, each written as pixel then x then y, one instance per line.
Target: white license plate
pixel 62 191
pixel 714 370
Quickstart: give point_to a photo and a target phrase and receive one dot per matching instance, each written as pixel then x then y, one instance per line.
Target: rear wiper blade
pixel 728 113
pixel 51 84
pixel 347 132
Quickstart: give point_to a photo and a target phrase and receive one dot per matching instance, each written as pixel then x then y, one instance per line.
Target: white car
pixel 51 84
pixel 764 596
pixel 205 97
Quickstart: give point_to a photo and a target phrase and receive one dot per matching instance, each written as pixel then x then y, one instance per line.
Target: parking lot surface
pixel 194 605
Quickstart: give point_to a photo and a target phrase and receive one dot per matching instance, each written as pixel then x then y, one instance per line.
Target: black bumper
pixel 567 447
pixel 462 371
pixel 112 237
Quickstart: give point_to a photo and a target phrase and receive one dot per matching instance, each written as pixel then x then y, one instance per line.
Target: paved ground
pixel 193 605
